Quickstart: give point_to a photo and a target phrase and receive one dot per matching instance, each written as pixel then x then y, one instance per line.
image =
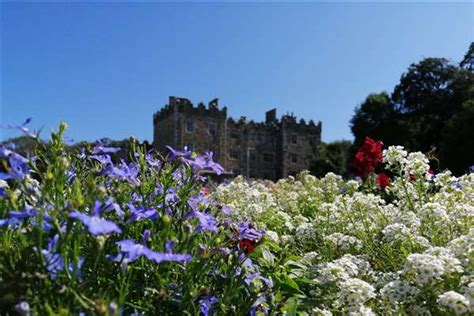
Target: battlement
pixel 185 106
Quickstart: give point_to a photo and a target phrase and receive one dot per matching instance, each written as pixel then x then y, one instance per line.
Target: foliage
pixel 331 157
pixel 389 245
pixel 417 114
pixel 80 233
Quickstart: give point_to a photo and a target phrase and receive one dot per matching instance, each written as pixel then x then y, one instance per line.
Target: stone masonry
pixel 271 150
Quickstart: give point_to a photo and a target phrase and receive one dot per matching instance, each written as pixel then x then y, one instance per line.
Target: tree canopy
pixel 430 109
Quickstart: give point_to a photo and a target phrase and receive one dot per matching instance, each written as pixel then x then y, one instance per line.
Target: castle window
pixel 268 157
pixel 234 135
pixel 294 139
pixel 234 154
pixel 189 126
pixel 294 158
pixel 253 156
pixel 211 129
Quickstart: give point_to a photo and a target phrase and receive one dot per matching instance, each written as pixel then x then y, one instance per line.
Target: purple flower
pixel 140 212
pixel 101 149
pixel 151 161
pixel 28 212
pixel 9 222
pixel 169 256
pixel 18 165
pixel 195 202
pixel 21 128
pixel 123 172
pixel 54 262
pixel 257 305
pixel 71 175
pixel 175 153
pixel 206 221
pixel 248 231
pixel 226 210
pixel 107 206
pixel 171 196
pixel 96 224
pixel 471 168
pixel 103 159
pixel 207 304
pixel 131 251
pixel 204 162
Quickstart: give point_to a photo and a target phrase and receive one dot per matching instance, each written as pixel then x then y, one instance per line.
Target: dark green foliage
pixel 468 61
pixel 377 118
pixel 429 109
pixel 457 142
pixel 331 157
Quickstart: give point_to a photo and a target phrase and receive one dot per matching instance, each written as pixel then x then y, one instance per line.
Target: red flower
pixel 382 180
pixel 205 191
pixel 368 157
pixel 247 245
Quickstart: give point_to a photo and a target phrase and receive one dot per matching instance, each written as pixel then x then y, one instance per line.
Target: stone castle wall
pixel 272 149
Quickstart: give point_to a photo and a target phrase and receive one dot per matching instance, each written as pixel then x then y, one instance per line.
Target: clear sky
pixel 105 68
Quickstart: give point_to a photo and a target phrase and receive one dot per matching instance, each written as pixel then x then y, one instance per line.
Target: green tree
pixel 377 118
pixel 331 157
pixel 468 61
pixel 457 143
pixel 428 95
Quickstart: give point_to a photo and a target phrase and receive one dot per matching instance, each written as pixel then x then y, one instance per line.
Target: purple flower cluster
pixel 18 165
pixel 95 224
pixel 196 163
pixel 131 251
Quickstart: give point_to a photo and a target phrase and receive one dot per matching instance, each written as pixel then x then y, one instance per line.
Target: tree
pixel 457 143
pixel 468 61
pixel 377 118
pixel 331 157
pixel 430 110
pixel 427 96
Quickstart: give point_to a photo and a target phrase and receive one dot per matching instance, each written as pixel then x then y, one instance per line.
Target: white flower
pixel 343 242
pixel 273 236
pixel 397 291
pixel 455 301
pixel 395 232
pixel 423 267
pixel 355 292
pixel 320 312
pixel 394 156
pixel 417 164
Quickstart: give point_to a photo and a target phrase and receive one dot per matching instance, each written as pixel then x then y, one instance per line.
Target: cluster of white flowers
pixel 395 232
pixel 397 291
pixel 355 292
pixel 423 267
pixel 395 157
pixel 358 246
pixel 417 164
pixel 455 302
pixel 343 242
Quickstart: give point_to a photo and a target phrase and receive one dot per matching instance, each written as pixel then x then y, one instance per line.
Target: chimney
pixel 270 116
pixel 214 104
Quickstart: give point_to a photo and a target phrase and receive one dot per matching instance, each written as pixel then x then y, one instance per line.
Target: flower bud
pixel 166 219
pixel 23 308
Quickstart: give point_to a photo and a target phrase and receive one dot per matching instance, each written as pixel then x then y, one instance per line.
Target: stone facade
pixel 272 149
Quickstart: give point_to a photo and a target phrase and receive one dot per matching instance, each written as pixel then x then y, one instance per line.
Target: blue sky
pixel 105 68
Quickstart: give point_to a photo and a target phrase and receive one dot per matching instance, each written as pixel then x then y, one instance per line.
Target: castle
pixel 271 150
